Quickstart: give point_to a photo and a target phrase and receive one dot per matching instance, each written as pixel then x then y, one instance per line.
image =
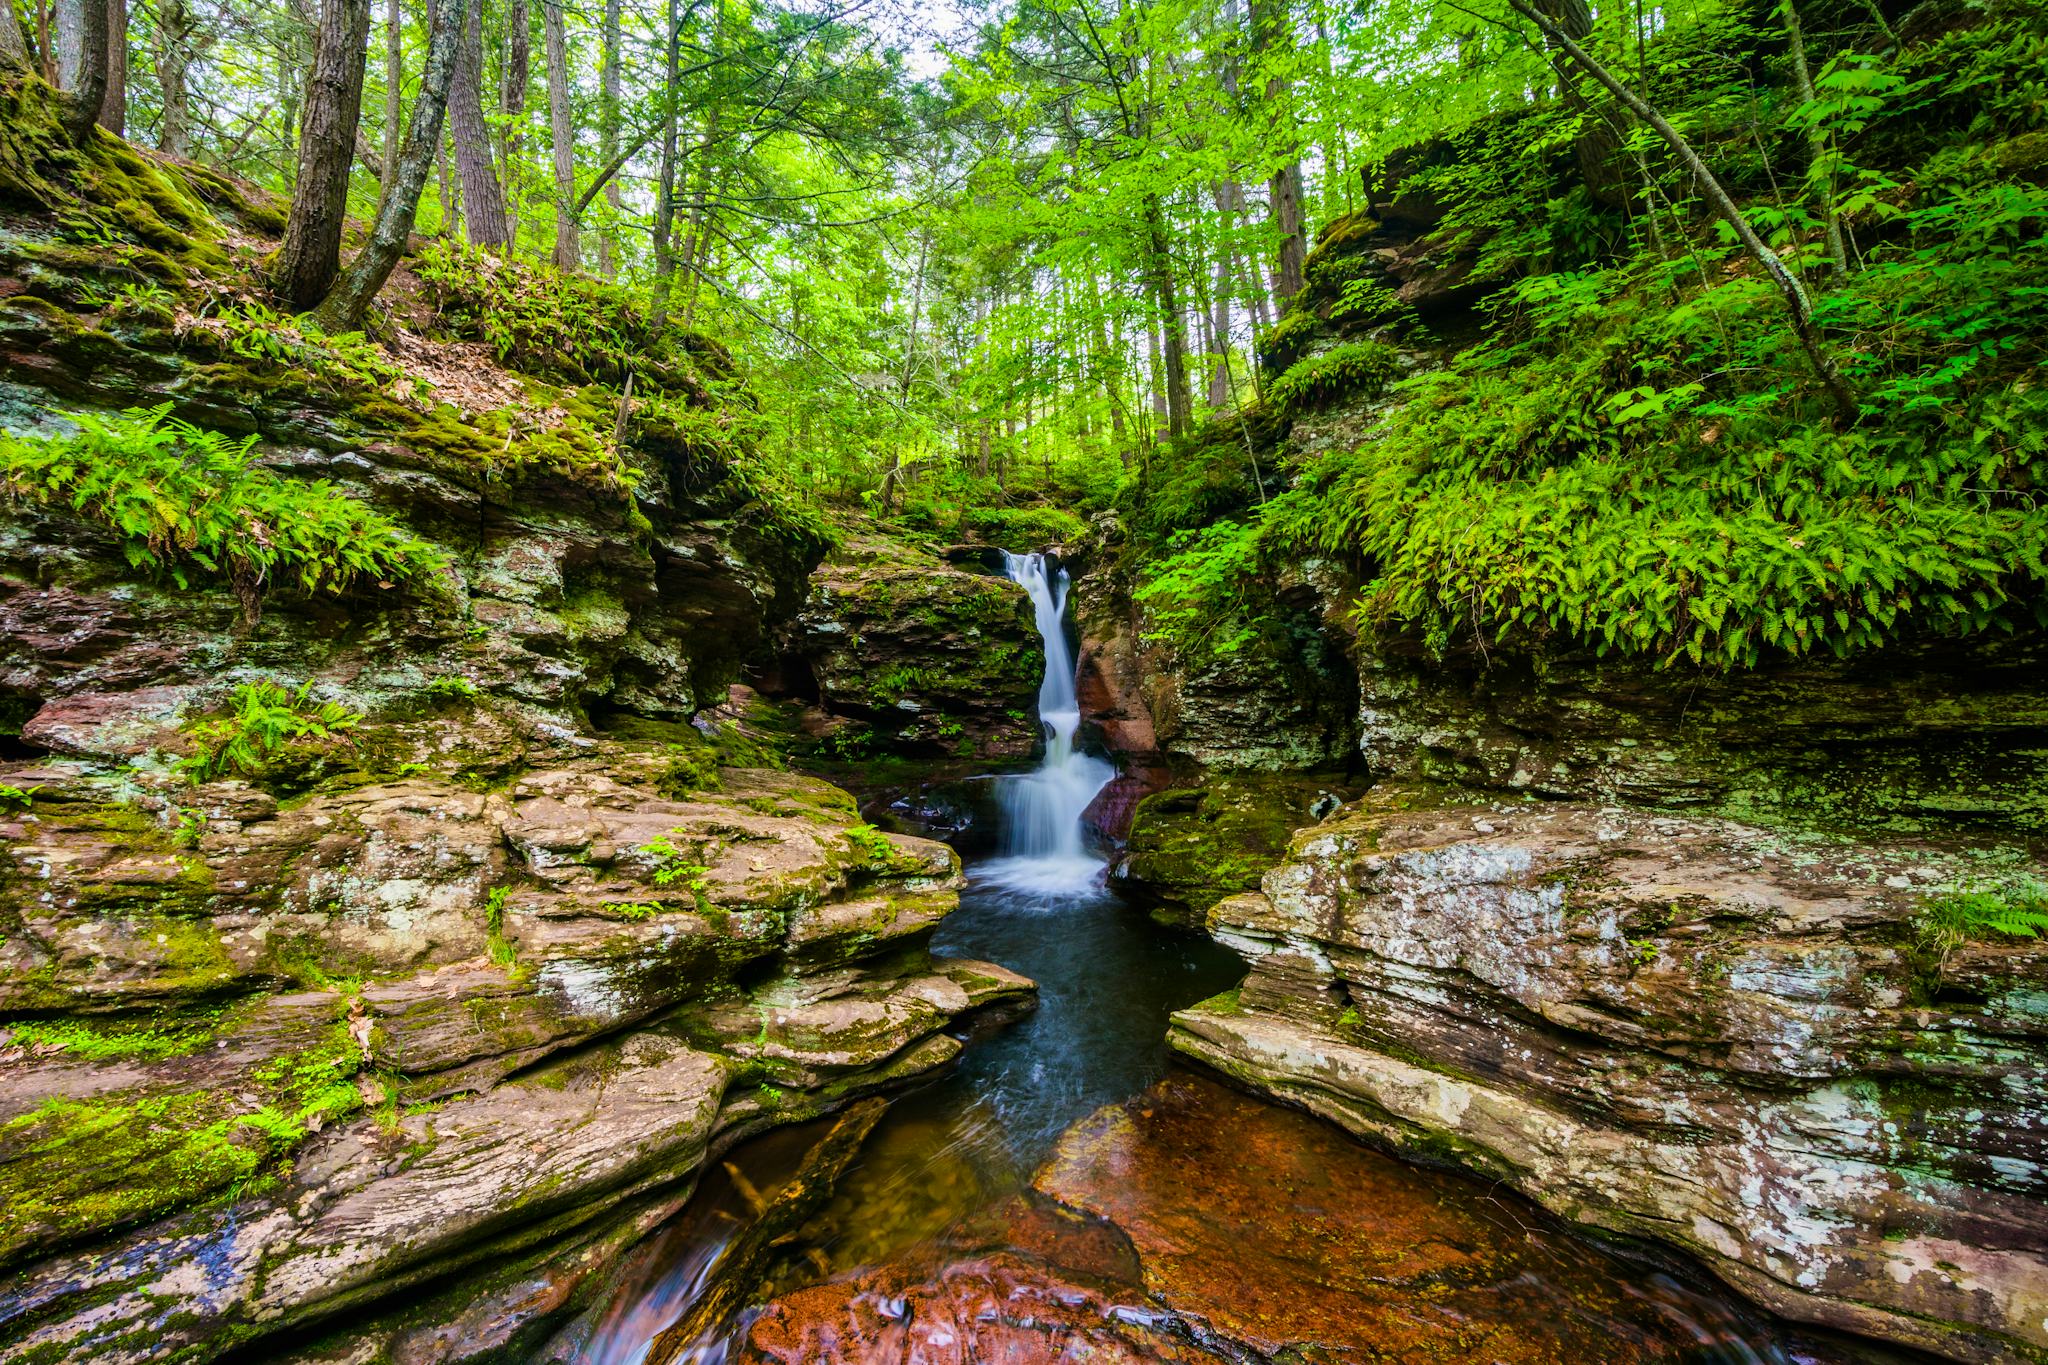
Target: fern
pixel 263 720
pixel 191 503
pixel 2017 909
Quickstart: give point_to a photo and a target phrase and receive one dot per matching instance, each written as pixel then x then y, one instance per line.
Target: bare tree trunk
pixel 562 132
pixel 67 20
pixel 175 29
pixel 451 192
pixel 665 174
pixel 1796 302
pixel 608 133
pixel 114 107
pixel 697 235
pixel 483 202
pixel 515 75
pixel 394 88
pixel 82 63
pixel 1816 140
pixel 310 259
pixel 1173 334
pixel 346 306
pixel 1270 33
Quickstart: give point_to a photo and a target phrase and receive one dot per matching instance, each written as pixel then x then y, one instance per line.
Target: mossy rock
pixel 1191 846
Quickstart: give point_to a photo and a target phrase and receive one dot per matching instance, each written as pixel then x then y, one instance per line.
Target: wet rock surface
pixel 1195 1224
pixel 1689 1031
pixel 1215 834
pixel 422 1029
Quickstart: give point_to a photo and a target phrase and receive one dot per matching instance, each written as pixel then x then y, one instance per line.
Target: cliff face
pixel 900 651
pixel 1685 1030
pixel 360 934
pixel 1662 947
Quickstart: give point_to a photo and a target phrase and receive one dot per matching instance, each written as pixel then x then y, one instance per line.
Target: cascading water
pixel 1043 847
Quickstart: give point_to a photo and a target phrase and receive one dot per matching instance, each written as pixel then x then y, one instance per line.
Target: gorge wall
pixel 381 958
pixel 1661 947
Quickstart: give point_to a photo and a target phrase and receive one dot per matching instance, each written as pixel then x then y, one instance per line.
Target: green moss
pixel 73 1169
pixel 96 1040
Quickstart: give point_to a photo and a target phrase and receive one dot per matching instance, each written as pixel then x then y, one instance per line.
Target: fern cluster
pixel 1636 457
pixel 262 721
pixel 1360 369
pixel 188 501
pixel 2017 909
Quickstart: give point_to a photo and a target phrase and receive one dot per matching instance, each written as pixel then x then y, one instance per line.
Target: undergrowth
pixel 190 503
pixel 263 721
pixel 1636 457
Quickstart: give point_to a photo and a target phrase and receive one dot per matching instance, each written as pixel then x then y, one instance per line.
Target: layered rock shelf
pixel 1687 1032
pixel 427 1029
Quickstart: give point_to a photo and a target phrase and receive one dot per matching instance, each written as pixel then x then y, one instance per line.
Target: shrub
pixel 186 500
pixel 1023 528
pixel 1280 345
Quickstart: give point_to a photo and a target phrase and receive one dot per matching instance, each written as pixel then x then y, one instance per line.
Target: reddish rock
pixel 1196 1224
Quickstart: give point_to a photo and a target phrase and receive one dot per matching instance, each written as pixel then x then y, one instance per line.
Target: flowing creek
pixel 1067 1191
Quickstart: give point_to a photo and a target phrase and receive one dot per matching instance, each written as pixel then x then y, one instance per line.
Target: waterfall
pixel 1042 836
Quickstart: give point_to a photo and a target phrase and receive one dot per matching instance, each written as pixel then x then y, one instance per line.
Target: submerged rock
pixel 1687 1031
pixel 1195 1224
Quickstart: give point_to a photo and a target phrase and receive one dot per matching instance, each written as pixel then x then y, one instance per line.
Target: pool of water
pixel 942 1177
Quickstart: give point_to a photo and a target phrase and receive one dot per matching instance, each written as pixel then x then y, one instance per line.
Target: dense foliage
pixel 1733 346
pixel 184 500
pixel 1635 456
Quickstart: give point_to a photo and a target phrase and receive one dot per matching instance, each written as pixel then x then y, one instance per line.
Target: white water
pixel 1043 850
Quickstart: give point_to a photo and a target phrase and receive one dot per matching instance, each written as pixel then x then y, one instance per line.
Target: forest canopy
pixel 1708 332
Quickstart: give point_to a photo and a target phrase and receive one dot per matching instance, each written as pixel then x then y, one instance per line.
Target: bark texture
pixel 81 42
pixel 483 199
pixel 310 258
pixel 562 130
pixel 344 308
pixel 175 35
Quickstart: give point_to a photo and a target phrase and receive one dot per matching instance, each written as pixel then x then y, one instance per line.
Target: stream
pixel 1254 1221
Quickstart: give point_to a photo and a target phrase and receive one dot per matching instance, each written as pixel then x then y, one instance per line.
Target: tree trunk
pixel 515 75
pixel 13 42
pixel 394 89
pixel 346 306
pixel 562 131
pixel 1173 342
pixel 483 202
pixel 665 173
pixel 1288 263
pixel 114 106
pixel 1796 302
pixel 82 63
pixel 1270 33
pixel 175 28
pixel 310 258
pixel 608 134
pixel 1816 142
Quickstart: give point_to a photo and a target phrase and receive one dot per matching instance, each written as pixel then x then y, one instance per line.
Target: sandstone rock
pixel 494 945
pixel 1683 1030
pixel 1190 846
pixel 1913 739
pixel 918 656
